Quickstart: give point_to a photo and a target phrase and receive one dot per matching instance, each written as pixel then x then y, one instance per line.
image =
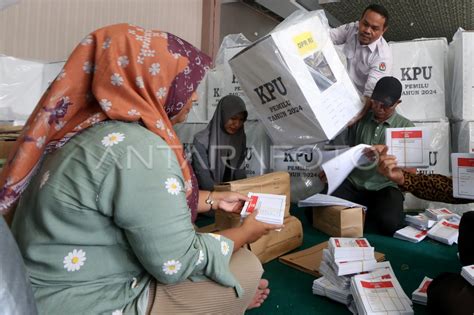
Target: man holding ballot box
pixel 366 186
pixel 368 55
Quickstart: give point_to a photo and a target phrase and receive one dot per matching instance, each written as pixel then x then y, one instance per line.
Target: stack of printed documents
pixel 326 269
pixel 411 234
pixel 379 292
pixel 420 221
pixel 468 273
pixel 439 214
pixel 349 267
pixel 350 249
pixel 419 295
pixel 324 287
pixel 445 232
pixel 270 207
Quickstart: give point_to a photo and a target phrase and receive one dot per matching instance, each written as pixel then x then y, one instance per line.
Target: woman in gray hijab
pixel 219 150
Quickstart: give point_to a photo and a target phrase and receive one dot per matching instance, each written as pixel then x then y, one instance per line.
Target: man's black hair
pixel 380 9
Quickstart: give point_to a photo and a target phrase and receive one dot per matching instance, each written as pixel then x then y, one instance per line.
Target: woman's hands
pixel 254 229
pixel 228 201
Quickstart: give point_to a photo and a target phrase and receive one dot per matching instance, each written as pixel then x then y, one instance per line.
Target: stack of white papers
pixel 445 232
pixel 350 249
pixel 324 287
pixel 271 208
pixel 468 273
pixel 379 292
pixel 410 234
pixel 342 282
pixel 439 214
pixel 342 268
pixel 419 295
pixel 420 221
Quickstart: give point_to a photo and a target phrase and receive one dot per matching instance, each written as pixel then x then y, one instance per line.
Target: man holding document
pixel 365 185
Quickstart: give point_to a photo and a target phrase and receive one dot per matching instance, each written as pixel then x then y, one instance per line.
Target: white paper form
pixel 342 165
pixel 271 208
pixel 410 145
pixel 321 200
pixel 463 175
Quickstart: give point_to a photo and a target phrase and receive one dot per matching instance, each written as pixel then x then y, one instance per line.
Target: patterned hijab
pixel 120 72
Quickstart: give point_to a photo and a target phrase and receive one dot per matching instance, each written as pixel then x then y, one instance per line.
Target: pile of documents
pixel 411 234
pixel 348 267
pixel 445 232
pixel 419 295
pixel 324 287
pixel 379 292
pixel 270 207
pixel 468 273
pixel 439 224
pixel 420 221
pixel 439 214
pixel 350 249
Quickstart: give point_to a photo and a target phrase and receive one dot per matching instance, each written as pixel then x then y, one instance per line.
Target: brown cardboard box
pixel 270 246
pixel 277 243
pixel 308 260
pixel 277 183
pixel 339 221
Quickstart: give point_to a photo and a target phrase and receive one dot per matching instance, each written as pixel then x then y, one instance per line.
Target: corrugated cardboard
pixel 275 243
pixel 273 183
pixel 339 221
pixel 308 260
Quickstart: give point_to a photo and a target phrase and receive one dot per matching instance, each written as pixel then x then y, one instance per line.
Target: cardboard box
pixel 272 183
pixel 339 221
pixel 420 66
pixel 308 260
pixel 297 83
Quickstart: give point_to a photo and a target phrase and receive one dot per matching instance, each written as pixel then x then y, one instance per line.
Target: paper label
pixel 425 286
pixel 377 285
pixel 450 225
pixel 305 43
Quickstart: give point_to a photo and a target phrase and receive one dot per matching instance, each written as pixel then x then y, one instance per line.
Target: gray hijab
pixel 217 140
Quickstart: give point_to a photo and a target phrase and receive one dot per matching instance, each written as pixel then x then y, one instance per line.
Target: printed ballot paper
pixel 338 168
pixel 467 273
pixel 271 208
pixel 463 175
pixel 411 145
pixel 420 294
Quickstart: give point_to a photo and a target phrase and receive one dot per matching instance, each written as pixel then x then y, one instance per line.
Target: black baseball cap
pixel 387 91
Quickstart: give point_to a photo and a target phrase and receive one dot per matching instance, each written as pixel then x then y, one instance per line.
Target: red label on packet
pixel 446 211
pixel 425 286
pixel 338 244
pixel 252 204
pixel 451 225
pixel 377 285
pixel 422 233
pixel 386 277
pixel 407 134
pixel 467 162
pixel 362 243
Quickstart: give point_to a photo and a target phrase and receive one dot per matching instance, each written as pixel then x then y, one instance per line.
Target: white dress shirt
pixel 366 64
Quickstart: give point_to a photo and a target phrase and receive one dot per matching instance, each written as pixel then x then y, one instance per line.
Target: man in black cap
pixel 366 186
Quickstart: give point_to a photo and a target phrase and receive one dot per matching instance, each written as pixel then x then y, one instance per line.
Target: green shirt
pixel 104 215
pixel 371 132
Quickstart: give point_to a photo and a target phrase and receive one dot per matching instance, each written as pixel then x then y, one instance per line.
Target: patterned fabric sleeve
pixel 145 192
pixel 434 187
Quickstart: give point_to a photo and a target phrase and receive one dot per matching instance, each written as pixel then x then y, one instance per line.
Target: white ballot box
pixel 411 145
pixel 420 66
pixel 463 175
pixel 296 81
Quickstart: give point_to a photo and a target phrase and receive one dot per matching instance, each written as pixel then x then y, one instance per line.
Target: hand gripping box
pixel 296 81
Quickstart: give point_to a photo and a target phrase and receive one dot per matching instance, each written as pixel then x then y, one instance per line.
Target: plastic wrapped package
pixel 223 78
pixel 462 76
pixel 198 113
pixel 438 158
pixel 296 81
pixel 22 83
pixel 421 65
pixel 304 165
pixel 463 137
